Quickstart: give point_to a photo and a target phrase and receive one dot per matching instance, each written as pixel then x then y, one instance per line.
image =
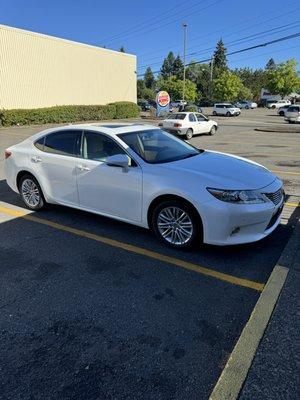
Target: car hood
pixel 224 171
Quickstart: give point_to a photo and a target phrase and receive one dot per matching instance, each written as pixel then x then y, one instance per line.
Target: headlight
pixel 239 196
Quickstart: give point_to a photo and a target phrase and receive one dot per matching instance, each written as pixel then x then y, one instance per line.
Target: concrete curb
pixel 279 129
pixel 235 372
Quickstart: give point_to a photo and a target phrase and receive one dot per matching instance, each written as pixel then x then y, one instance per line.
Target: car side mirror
pixel 118 160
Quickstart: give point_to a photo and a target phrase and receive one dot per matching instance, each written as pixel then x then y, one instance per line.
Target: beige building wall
pixel 42 71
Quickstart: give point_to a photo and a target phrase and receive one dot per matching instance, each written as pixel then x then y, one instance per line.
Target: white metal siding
pixel 41 71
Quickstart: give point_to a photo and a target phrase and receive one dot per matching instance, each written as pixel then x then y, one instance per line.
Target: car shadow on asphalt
pixel 254 261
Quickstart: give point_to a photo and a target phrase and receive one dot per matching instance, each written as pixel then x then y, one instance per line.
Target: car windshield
pixel 157 146
pixel 177 116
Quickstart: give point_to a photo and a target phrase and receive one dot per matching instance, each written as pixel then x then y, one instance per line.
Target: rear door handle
pixel 83 168
pixel 36 159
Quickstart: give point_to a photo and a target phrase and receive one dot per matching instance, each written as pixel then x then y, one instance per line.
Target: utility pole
pixel 184 55
pixel 211 76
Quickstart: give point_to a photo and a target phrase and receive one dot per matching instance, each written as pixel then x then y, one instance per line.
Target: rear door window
pixel 192 118
pixel 64 143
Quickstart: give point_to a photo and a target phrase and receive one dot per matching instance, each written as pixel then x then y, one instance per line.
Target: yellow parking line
pixel 292 204
pixel 285 172
pixel 139 250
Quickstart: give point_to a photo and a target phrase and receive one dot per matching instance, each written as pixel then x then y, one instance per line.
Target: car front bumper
pixel 230 224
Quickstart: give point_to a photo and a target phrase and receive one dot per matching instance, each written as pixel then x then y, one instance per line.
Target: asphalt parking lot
pixel 93 308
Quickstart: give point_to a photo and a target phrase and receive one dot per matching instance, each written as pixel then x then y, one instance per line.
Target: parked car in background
pixel 247 104
pixel 188 124
pixel 281 111
pixel 292 114
pixel 178 103
pixel 226 109
pixel 147 177
pixel 144 105
pixel 278 103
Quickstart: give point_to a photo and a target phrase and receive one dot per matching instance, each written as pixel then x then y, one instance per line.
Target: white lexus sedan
pixel 188 124
pixel 147 177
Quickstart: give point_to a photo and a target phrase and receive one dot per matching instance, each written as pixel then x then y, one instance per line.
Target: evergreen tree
pixel 270 64
pixel 168 65
pixel 178 67
pixel 122 49
pixel 149 78
pixel 220 60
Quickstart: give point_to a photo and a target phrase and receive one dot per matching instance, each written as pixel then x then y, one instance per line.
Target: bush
pixel 126 109
pixel 73 113
pixel 191 108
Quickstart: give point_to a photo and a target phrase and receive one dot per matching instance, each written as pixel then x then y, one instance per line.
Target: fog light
pixel 235 230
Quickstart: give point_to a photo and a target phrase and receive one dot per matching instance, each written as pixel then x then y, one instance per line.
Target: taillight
pixel 7 154
pixel 176 125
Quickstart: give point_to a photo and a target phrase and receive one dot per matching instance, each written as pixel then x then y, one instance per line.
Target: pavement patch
pixel 138 250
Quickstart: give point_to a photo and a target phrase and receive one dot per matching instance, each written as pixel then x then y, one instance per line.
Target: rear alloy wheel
pixel 214 113
pixel 228 114
pixel 213 130
pixel 31 193
pixel 176 224
pixel 189 134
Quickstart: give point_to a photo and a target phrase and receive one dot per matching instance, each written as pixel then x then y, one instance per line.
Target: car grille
pixel 275 197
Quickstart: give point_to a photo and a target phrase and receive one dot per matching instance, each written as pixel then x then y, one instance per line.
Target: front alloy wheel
pixel 213 130
pixel 31 193
pixel 176 224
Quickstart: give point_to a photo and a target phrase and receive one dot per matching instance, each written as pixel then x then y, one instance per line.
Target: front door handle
pixel 36 159
pixel 83 168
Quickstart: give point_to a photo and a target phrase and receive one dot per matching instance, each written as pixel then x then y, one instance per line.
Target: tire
pixel 214 113
pixel 247 107
pixel 228 114
pixel 31 193
pixel 177 238
pixel 189 134
pixel 281 113
pixel 273 107
pixel 213 130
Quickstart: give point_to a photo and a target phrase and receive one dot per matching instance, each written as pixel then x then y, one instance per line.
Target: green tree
pixel 200 75
pixel 178 67
pixel 149 78
pixel 174 87
pixel 227 86
pixel 140 88
pixel 270 64
pixel 168 65
pixel 122 49
pixel 220 60
pixel 148 94
pixel 284 78
pixel 254 80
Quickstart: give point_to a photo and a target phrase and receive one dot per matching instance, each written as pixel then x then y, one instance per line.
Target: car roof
pixel 111 129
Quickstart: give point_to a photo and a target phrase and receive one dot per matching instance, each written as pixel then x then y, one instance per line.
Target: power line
pixel 149 20
pixel 230 34
pixel 183 16
pixel 281 39
pixel 249 38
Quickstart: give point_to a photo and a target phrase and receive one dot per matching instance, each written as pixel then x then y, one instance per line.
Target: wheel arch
pixel 165 197
pixel 24 172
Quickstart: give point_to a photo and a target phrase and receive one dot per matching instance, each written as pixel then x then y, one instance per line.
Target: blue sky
pixel 151 29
